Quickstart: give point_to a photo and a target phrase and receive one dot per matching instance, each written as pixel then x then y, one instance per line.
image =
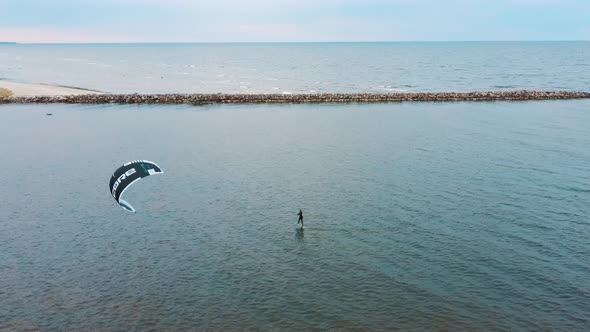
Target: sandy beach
pixel 34 90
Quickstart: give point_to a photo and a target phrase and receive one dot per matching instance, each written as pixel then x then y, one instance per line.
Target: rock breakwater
pixel 206 99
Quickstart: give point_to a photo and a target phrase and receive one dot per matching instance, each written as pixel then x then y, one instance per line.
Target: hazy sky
pixel 292 20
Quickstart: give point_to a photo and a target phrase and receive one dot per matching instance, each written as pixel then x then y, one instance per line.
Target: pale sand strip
pixel 33 90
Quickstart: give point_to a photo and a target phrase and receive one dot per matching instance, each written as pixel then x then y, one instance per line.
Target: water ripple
pixel 413 219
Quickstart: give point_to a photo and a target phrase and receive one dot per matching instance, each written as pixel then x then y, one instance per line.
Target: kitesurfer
pixel 300 214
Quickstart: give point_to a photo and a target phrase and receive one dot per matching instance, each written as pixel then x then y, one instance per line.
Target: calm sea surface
pixel 455 216
pixel 296 68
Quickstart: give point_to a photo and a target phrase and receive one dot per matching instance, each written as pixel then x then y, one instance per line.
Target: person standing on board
pixel 300 214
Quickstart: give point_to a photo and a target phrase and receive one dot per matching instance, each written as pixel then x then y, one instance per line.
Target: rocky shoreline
pixel 206 99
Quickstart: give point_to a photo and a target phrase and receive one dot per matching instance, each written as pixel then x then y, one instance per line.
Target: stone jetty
pixel 311 98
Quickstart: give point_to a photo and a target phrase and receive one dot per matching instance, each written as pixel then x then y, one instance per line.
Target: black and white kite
pixel 127 174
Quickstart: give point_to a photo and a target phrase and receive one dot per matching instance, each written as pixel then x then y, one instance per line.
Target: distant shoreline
pixel 36 90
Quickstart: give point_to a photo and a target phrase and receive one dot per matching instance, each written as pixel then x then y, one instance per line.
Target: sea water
pixel 418 216
pixel 302 67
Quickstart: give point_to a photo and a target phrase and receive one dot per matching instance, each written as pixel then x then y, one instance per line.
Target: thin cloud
pixel 56 35
pixel 291 20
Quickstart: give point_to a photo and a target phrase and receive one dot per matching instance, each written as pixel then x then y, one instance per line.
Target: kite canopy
pixel 127 174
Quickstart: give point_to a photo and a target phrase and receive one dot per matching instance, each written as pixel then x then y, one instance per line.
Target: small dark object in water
pixel 48 113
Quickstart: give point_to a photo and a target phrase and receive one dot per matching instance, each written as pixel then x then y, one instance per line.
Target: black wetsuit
pixel 300 214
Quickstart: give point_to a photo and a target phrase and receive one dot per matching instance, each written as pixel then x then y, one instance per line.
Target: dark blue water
pixel 304 67
pixel 456 216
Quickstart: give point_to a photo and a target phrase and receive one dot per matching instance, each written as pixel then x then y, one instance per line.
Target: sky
pixel 90 21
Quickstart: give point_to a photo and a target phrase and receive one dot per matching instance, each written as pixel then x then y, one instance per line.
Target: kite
pixel 126 175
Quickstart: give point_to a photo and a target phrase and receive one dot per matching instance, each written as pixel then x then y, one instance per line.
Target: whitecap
pixel 391 88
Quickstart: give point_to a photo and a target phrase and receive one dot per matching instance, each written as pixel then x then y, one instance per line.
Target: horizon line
pixel 299 42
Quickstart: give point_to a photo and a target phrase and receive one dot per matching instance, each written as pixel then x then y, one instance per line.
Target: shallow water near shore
pixel 451 216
